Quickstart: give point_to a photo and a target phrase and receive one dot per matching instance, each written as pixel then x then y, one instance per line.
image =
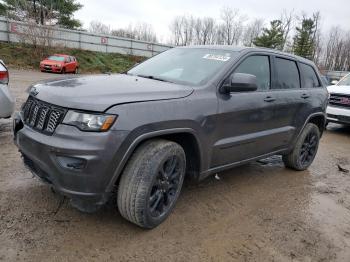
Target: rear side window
pixel 287 74
pixel 310 77
pixel 259 66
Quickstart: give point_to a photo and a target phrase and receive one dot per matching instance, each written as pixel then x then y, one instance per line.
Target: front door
pixel 246 127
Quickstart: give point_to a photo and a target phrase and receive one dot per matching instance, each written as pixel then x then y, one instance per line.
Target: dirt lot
pixel 258 212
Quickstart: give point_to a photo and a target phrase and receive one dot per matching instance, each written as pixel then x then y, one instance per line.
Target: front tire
pixel 305 149
pixel 151 183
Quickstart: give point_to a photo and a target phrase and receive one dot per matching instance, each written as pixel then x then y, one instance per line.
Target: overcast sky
pixel 119 14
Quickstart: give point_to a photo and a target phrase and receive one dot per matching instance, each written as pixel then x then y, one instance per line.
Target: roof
pixel 61 55
pixel 250 49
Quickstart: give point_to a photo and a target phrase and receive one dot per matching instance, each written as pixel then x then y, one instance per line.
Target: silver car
pixel 7 102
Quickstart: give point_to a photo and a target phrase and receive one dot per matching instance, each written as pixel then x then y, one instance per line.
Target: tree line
pixel 140 31
pixel 297 34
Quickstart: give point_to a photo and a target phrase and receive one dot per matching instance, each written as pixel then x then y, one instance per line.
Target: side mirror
pixel 239 82
pixel 334 82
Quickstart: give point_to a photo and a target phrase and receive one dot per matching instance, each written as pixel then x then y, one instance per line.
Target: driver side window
pixel 259 66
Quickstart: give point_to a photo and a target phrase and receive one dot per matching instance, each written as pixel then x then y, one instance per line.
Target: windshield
pixel 56 58
pixel 192 66
pixel 345 81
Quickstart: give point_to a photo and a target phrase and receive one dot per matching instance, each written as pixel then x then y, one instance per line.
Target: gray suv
pixel 189 112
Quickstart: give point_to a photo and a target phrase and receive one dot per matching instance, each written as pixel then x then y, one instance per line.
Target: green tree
pixel 304 40
pixel 272 37
pixel 2 9
pixel 44 12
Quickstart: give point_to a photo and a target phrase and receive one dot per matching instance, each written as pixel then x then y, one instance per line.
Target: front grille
pixel 340 100
pixel 42 116
pixel 47 67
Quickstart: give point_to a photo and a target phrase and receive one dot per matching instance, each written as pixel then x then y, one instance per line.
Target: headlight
pixel 89 122
pixel 58 65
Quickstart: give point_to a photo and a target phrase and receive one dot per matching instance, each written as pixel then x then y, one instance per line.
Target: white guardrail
pixel 13 31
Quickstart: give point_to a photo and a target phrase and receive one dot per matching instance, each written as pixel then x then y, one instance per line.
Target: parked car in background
pixel 338 110
pixel 7 102
pixel 335 76
pixel 191 111
pixel 59 63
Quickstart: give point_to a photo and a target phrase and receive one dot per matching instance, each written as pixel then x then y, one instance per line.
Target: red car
pixel 59 63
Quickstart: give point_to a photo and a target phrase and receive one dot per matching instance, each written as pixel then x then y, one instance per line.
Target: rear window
pixel 287 74
pixel 310 77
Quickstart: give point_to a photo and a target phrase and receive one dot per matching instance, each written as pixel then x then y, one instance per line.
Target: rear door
pixel 75 63
pixel 69 64
pixel 312 86
pixel 246 119
pixel 291 98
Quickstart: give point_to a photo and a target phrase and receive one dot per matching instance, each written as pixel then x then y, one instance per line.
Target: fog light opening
pixel 72 163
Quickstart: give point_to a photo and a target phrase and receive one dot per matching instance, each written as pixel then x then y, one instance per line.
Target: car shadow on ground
pixel 339 129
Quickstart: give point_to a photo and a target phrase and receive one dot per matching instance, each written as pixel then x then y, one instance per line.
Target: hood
pixel 99 92
pixel 339 89
pixel 51 62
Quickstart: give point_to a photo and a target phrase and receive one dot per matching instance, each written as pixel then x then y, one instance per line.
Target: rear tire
pixel 305 149
pixel 151 183
pixel 76 71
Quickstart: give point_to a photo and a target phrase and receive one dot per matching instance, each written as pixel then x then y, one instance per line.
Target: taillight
pixel 4 77
pixel 4 74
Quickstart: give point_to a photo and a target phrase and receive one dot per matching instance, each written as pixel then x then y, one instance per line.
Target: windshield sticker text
pixel 221 58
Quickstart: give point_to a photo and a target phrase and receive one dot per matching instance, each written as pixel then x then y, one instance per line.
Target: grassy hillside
pixel 20 56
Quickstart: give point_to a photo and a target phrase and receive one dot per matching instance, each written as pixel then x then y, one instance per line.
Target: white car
pixel 338 110
pixel 7 102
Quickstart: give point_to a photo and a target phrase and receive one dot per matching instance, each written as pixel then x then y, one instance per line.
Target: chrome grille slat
pixel 53 121
pixel 34 115
pixel 42 116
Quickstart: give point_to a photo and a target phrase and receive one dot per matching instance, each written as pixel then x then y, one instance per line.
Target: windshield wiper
pixel 155 78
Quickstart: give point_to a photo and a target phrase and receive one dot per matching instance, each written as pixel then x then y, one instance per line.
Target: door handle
pixel 305 96
pixel 269 99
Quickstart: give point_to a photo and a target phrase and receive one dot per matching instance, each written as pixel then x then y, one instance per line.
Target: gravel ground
pixel 257 212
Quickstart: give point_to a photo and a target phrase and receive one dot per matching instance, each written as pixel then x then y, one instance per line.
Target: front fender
pixel 135 139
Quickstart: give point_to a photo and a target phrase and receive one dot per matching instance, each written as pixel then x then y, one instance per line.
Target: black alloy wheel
pixel 308 149
pixel 165 187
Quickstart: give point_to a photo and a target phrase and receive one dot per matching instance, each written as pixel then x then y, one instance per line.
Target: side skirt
pixel 215 170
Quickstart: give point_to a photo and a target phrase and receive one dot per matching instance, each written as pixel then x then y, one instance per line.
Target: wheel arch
pixel 185 137
pixel 319 120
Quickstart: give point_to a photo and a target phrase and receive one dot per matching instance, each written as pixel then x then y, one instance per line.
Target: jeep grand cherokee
pixel 188 112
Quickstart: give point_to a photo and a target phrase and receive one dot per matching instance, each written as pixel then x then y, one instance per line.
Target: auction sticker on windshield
pixel 222 58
